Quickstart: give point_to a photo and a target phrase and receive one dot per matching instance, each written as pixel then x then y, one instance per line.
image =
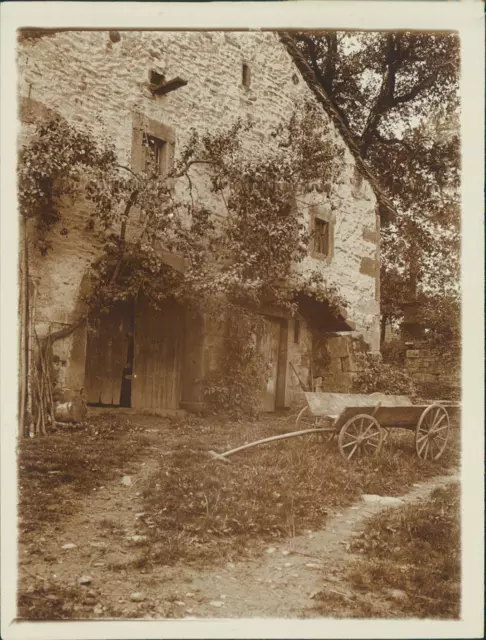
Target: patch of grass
pixel 56 470
pixel 202 510
pixel 412 565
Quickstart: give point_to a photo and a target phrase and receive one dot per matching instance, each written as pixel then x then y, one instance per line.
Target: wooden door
pixel 158 351
pixel 269 345
pixel 106 354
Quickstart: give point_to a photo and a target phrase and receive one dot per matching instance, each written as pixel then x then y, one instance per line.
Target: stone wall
pixel 429 369
pixel 336 361
pixel 104 86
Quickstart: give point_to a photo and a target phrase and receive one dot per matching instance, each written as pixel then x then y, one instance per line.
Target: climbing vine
pixel 235 385
pixel 242 248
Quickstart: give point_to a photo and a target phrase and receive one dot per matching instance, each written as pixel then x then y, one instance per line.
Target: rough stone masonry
pixel 97 80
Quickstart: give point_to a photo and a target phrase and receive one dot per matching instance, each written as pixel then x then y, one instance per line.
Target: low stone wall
pixel 336 362
pixel 432 373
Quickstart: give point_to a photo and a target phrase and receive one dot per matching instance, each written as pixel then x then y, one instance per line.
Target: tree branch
pixel 122 166
pixel 413 93
pixel 131 201
pixel 384 140
pixel 66 331
pixel 188 166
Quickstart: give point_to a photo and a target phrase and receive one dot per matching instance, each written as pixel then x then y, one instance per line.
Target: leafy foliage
pixel 235 386
pixel 442 319
pixel 398 94
pixel 416 549
pixel 242 248
pixel 50 170
pixel 374 375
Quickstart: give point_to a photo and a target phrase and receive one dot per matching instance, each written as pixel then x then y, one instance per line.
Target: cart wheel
pixel 432 433
pixel 360 435
pixel 305 420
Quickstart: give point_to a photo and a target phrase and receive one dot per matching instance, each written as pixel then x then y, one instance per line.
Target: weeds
pixel 200 510
pixel 411 564
pixel 55 471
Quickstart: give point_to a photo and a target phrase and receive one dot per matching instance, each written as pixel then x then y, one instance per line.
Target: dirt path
pixel 277 581
pixel 284 581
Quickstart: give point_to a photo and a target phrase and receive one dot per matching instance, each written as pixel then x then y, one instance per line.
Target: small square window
pixel 322 231
pixel 154 157
pixel 156 77
pixel 246 75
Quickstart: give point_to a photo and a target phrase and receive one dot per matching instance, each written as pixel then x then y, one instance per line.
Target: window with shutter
pixel 154 156
pixel 322 223
pixel 153 146
pixel 322 237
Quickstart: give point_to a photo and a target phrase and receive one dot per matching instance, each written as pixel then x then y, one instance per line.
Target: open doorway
pixel 127 375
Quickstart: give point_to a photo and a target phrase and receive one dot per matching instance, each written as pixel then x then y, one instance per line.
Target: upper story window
pixel 245 75
pixel 154 157
pixel 153 146
pixel 322 239
pixel 322 221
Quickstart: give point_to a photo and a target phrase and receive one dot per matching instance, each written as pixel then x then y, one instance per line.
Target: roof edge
pixel 386 209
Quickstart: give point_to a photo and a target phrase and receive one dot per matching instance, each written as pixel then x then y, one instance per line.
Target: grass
pixel 56 471
pixel 47 601
pixel 199 510
pixel 411 564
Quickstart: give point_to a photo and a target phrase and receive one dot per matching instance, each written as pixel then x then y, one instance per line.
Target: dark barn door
pixel 158 354
pixel 107 351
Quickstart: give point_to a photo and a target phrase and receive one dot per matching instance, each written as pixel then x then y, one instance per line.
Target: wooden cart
pixel 361 423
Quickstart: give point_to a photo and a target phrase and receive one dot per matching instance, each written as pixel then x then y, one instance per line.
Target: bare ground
pixel 280 579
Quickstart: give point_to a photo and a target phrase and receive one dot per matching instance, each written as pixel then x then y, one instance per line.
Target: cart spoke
pixel 352 452
pixel 422 448
pixel 369 427
pixel 440 450
pixel 432 445
pixel 426 450
pixel 371 444
pixel 376 434
pixel 440 438
pixel 439 429
pixel 422 437
pixel 349 444
pixel 437 422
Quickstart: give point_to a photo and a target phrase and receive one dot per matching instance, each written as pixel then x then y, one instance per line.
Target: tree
pixel 397 92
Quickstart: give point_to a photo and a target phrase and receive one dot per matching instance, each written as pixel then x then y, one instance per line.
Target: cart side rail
pixel 334 404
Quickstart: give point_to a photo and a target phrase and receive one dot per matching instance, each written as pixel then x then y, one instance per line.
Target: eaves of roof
pixel 386 209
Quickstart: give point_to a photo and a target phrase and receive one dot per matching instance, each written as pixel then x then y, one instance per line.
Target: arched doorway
pixel 134 356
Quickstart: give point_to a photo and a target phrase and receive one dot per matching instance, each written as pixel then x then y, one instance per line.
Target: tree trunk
pixel 383 323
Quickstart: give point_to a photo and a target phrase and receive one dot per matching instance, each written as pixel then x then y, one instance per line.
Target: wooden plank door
pixel 268 343
pixel 106 353
pixel 158 354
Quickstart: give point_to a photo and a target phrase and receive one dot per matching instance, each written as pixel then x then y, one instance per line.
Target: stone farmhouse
pixel 202 79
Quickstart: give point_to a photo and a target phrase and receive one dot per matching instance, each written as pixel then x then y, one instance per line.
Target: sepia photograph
pixel 240 323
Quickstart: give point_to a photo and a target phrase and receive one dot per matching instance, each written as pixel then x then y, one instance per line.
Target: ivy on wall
pixel 244 257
